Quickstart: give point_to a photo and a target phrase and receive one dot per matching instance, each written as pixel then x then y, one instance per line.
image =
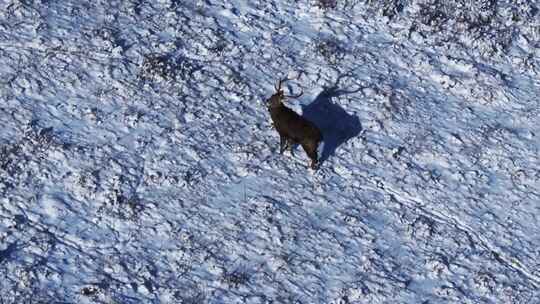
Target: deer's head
pixel 276 100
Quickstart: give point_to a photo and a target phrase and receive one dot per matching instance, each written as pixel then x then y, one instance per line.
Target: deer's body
pixel 293 128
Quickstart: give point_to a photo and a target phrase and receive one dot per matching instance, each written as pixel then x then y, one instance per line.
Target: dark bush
pixel 327 4
pixel 331 50
pixel 391 8
pixel 161 66
pixel 167 68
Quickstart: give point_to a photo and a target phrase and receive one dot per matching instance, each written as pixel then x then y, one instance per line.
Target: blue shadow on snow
pixel 336 125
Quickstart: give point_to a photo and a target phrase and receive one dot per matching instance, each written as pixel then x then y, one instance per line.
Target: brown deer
pixel 293 128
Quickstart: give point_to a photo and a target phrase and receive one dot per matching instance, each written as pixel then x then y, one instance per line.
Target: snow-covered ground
pixel 138 163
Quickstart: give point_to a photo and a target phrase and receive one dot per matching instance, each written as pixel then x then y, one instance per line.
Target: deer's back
pixel 291 125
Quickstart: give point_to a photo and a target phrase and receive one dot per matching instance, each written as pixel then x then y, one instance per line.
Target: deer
pixel 292 128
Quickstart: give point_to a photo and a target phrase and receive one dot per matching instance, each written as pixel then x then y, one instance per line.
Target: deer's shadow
pixel 336 125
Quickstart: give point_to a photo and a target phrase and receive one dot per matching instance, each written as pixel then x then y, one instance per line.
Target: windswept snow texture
pixel 138 163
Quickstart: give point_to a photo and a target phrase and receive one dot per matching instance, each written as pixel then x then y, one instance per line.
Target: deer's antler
pixel 295 96
pixel 282 81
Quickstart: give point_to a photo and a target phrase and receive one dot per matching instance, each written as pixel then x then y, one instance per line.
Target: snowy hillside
pixel 138 163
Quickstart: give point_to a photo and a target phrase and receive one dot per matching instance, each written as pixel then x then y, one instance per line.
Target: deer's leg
pixel 314 164
pixel 311 151
pixel 282 143
pixel 290 144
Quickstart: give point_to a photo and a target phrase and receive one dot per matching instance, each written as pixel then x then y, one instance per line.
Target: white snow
pixel 138 163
